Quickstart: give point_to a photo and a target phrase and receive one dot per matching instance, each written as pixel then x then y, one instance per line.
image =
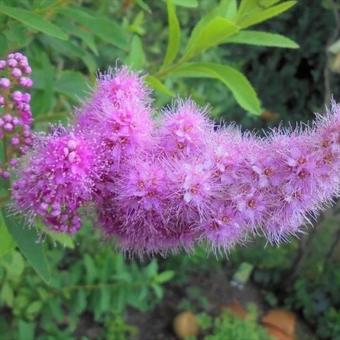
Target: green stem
pixel 164 71
pixel 3 200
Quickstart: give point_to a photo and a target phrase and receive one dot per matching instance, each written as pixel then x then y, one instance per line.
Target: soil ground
pixel 214 290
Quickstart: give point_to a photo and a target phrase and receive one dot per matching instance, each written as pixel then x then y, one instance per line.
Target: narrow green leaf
pixel 186 3
pixel 64 239
pixel 6 294
pixel 151 268
pixel 104 299
pixel 26 240
pixel 85 35
pixel 14 264
pixel 255 5
pixel 43 79
pixel 226 9
pixel 72 84
pixel 136 58
pixel 237 83
pixel 34 21
pixel 210 34
pixel 248 6
pixel 109 31
pixel 158 290
pixel 174 35
pixel 143 5
pixel 203 22
pixel 254 17
pixel 259 38
pixel 55 309
pixel 33 309
pixel 106 29
pixel 91 272
pixel 80 301
pixel 6 240
pixel 157 85
pixel 165 276
pixel 230 8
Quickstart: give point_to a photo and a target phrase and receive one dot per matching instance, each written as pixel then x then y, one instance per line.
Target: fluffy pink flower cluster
pixel 56 180
pixel 161 184
pixel 15 110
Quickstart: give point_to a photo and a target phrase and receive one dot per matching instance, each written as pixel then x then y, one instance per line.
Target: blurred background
pixel 291 291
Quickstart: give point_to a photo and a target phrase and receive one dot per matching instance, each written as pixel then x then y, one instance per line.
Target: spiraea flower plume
pixel 161 185
pixel 15 110
pixel 57 179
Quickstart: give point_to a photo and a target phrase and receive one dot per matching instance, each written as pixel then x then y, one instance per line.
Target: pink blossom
pixel 56 179
pixel 184 130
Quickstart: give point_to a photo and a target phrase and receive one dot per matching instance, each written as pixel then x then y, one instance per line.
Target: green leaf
pixel 64 239
pixel 104 299
pixel 259 38
pixel 70 49
pixel 186 3
pixel 174 38
pixel 26 330
pixel 224 9
pixel 137 25
pixel 136 58
pixel 6 294
pixel 72 84
pixel 43 79
pixel 80 301
pixel 85 35
pixel 230 8
pixel 109 31
pixel 143 5
pixel 33 309
pixel 91 271
pixel 165 276
pixel 237 83
pixel 26 239
pixel 55 309
pixel 3 44
pixel 158 290
pixel 151 268
pixel 105 28
pixel 209 34
pixel 243 273
pixel 15 265
pixel 17 35
pixel 157 85
pixel 6 240
pixel 34 21
pixel 253 5
pixel 256 14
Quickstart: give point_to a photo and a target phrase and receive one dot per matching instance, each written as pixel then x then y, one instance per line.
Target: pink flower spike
pixel 16 73
pixel 185 130
pixel 3 64
pixel 26 82
pixel 12 63
pixel 5 83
